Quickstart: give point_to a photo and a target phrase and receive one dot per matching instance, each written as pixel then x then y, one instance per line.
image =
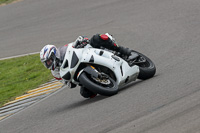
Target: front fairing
pixel 71 62
pixel 74 57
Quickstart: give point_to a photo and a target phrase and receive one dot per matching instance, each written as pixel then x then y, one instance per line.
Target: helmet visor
pixel 48 63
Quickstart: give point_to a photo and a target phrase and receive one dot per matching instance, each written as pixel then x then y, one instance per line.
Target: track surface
pixel 167 31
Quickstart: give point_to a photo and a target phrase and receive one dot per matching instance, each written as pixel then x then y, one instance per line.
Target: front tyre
pixel 147 67
pixel 106 87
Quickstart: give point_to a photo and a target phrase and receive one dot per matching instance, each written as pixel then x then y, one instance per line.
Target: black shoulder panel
pixel 66 64
pixel 92 59
pixel 74 60
pixel 121 70
pixel 67 76
pixel 101 52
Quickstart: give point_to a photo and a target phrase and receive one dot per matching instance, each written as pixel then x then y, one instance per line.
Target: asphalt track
pixel 167 31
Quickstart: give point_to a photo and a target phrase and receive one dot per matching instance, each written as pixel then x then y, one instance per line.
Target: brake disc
pixel 102 81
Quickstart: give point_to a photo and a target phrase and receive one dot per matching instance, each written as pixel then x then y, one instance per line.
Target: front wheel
pixel 146 66
pixel 106 86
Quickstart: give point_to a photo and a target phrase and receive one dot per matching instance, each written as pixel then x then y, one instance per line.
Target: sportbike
pixel 103 71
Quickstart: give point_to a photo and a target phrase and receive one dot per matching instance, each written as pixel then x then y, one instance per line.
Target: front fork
pixel 90 70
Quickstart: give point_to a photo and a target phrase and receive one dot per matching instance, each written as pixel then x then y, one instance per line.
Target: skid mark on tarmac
pixel 28 99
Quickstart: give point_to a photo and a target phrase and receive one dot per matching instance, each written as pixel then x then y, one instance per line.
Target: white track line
pixel 19 56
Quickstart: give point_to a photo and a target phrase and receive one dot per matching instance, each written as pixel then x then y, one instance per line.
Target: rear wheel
pixel 146 66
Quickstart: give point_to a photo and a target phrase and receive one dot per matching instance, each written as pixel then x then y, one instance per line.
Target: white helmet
pixel 49 56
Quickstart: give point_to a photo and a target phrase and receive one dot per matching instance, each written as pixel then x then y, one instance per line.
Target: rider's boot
pixel 87 93
pixel 124 51
pixel 127 53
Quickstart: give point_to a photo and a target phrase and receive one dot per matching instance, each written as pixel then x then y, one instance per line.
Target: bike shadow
pixel 100 97
pixel 79 104
pixel 134 83
pixel 131 84
pixel 85 102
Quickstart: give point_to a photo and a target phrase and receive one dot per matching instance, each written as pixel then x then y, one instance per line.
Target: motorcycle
pixel 104 71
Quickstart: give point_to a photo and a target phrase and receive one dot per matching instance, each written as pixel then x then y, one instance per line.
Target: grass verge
pixel 18 75
pixel 6 1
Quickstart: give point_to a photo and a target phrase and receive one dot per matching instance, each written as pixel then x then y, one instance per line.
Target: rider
pixel 52 57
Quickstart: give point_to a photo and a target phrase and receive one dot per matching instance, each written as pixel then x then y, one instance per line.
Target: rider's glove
pixel 81 42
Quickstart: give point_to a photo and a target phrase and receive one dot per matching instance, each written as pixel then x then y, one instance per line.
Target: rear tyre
pixel 147 68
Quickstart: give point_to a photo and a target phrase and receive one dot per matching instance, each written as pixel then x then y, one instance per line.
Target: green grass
pixel 18 75
pixel 6 1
